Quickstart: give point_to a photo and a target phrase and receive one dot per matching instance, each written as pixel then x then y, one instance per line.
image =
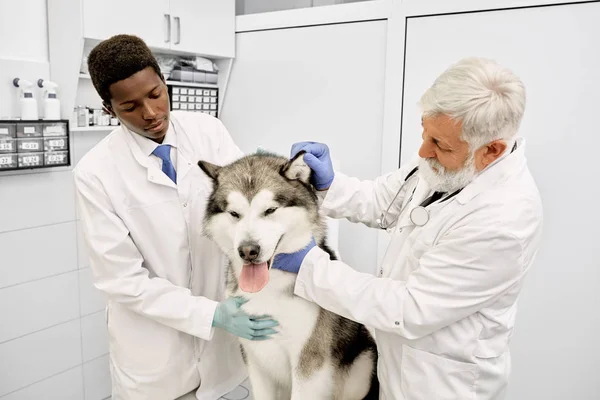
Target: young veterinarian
pixel 465 220
pixel 141 199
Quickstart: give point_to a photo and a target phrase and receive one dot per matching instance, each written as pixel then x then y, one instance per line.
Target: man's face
pixel 141 102
pixel 447 162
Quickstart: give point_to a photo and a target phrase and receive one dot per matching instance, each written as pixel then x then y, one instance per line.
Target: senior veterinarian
pixel 465 219
pixel 141 200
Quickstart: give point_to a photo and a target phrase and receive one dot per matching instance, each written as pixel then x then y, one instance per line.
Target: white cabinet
pixel 147 19
pixel 205 27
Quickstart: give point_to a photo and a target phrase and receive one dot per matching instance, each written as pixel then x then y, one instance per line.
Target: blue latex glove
pixel 230 317
pixel 318 159
pixel 291 262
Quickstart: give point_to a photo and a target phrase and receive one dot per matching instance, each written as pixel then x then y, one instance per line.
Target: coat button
pixel 185 204
pixel 396 323
pixel 400 230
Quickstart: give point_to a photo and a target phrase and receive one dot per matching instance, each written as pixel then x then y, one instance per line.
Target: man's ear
pixel 209 169
pixel 296 169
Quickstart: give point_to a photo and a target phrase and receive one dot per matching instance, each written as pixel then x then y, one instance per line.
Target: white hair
pixel 487 98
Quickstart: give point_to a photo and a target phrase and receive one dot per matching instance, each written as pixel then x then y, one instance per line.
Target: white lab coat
pixel 443 304
pixel 162 277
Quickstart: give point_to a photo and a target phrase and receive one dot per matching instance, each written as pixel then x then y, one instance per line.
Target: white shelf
pixel 94 128
pixel 192 84
pixel 172 83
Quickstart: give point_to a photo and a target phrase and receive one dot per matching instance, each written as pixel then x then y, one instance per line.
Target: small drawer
pixel 56 158
pixel 213 106
pixel 8 130
pixel 29 130
pixel 199 92
pixel 198 99
pixel 175 90
pixel 30 145
pixel 206 92
pixel 8 161
pixel 184 106
pixel 213 93
pixel 8 145
pixel 51 129
pixel 30 159
pixel 176 106
pixel 56 143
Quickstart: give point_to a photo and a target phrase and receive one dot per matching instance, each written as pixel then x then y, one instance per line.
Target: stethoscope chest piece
pixel 419 216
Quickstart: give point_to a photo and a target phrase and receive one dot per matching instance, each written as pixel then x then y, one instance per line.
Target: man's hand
pixel 230 317
pixel 291 262
pixel 318 159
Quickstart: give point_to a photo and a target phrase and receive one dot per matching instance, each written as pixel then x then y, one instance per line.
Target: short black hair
pixel 118 58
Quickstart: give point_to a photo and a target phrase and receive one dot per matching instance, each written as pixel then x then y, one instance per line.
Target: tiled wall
pixel 53 342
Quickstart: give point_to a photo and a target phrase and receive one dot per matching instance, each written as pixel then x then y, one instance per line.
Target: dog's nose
pixel 249 251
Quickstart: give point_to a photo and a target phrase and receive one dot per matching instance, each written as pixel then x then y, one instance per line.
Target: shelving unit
pixel 98 128
pixel 74 28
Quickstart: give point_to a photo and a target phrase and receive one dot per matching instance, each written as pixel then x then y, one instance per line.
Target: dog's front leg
pixel 263 386
pixel 314 385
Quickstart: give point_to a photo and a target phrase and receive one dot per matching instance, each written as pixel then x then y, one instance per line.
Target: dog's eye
pixel 270 210
pixel 234 214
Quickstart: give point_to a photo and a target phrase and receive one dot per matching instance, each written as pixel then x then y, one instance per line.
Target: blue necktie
pixel 164 153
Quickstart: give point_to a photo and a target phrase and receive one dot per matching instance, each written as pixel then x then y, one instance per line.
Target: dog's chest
pixel 297 319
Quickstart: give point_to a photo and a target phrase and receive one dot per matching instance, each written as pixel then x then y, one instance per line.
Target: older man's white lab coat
pixel 444 302
pixel 162 277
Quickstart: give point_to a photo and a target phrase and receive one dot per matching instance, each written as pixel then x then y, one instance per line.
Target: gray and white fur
pixel 261 205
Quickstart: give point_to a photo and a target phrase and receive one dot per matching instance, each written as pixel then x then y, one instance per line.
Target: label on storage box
pixel 56 158
pixel 56 143
pixel 3 131
pixel 54 129
pixel 31 159
pixel 5 160
pixel 29 129
pixel 8 146
pixel 30 146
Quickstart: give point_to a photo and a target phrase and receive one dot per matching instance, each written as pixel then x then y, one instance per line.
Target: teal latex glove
pixel 230 317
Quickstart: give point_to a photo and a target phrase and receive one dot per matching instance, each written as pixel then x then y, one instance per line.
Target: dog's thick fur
pixel 267 200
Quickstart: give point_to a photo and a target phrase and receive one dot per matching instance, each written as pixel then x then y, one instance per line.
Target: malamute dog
pixel 261 205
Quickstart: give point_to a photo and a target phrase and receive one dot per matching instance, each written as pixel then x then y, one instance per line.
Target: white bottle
pixel 27 103
pixel 51 102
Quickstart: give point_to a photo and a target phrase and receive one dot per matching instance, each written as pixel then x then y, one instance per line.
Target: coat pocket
pixel 426 376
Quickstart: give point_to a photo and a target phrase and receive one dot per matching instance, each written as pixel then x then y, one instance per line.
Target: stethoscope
pixel 419 215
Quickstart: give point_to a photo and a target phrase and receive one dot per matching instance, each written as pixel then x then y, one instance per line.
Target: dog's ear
pixel 209 169
pixel 296 169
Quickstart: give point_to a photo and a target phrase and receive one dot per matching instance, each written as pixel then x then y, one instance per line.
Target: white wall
pixel 290 85
pixel 53 342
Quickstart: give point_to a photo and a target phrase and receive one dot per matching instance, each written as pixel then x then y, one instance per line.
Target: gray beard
pixel 444 180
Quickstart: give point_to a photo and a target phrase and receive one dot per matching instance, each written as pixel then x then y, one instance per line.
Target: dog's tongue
pixel 254 277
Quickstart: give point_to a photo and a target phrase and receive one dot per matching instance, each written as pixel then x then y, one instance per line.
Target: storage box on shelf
pixel 34 144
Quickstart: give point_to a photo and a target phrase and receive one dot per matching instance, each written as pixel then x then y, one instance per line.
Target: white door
pixel 204 27
pixel 147 19
pixel 555 349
